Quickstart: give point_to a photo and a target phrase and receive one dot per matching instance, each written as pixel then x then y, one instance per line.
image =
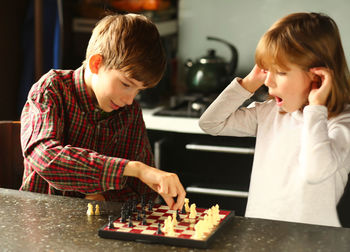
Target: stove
pixel 192 106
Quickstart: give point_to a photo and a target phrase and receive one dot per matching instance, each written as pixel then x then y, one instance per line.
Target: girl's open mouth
pixel 279 101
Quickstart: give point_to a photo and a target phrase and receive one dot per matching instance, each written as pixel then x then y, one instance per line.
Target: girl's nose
pixel 269 81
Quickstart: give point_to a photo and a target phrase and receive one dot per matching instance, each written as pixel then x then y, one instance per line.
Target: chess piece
pixel 130 223
pixel 174 220
pixel 193 212
pixel 183 211
pixel 110 222
pixel 123 216
pixel 150 205
pixel 178 218
pixel 90 210
pixel 144 221
pixel 199 228
pixel 97 209
pixel 187 207
pixel 159 230
pixel 138 216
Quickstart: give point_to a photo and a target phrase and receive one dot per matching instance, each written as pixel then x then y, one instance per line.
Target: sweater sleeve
pixel 62 166
pixel 325 145
pixel 225 117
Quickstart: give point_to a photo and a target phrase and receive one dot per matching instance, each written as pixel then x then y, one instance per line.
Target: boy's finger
pixel 169 201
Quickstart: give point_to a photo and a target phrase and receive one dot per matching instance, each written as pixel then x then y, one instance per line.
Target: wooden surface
pixel 11 159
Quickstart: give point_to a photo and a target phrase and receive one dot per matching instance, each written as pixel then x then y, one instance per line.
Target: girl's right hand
pixel 254 79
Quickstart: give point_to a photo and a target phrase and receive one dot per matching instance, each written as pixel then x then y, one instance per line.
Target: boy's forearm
pixel 132 169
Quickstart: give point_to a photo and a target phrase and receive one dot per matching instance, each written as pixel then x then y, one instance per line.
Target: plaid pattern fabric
pixel 71 147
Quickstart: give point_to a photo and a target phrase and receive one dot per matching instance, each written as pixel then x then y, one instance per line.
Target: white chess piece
pixel 187 207
pixel 90 210
pixel 193 211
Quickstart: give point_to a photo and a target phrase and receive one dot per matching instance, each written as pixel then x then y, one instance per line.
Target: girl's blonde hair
pixel 130 43
pixel 308 40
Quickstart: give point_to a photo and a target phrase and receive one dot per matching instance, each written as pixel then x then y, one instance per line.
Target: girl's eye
pixel 125 85
pixel 281 73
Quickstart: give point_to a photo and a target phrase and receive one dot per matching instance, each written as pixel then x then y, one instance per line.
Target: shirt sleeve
pixel 134 186
pixel 325 145
pixel 225 117
pixel 62 166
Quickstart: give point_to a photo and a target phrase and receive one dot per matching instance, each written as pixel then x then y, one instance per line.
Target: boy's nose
pixel 128 99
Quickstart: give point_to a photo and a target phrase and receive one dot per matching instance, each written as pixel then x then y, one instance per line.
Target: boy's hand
pixel 321 86
pixel 254 79
pixel 166 184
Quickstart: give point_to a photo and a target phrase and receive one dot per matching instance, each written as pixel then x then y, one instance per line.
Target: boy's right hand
pixel 166 184
pixel 254 79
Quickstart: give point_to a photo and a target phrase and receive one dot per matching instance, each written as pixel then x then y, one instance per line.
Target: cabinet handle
pixel 218 192
pixel 212 148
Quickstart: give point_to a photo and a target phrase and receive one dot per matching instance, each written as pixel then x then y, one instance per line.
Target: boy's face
pixel 289 87
pixel 112 89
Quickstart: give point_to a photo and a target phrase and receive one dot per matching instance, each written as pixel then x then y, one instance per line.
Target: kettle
pixel 210 73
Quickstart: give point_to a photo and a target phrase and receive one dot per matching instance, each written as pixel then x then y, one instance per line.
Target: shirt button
pixel 96 110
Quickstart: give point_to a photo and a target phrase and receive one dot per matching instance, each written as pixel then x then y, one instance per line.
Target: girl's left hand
pixel 321 85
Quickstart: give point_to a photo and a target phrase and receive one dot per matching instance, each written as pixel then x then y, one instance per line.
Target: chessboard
pixel 150 228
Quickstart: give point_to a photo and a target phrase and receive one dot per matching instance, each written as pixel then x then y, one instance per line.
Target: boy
pixel 81 132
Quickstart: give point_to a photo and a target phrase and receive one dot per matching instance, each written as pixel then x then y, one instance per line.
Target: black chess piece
pixel 178 218
pixel 150 205
pixel 130 223
pixel 138 216
pixel 134 205
pixel 143 201
pixel 183 211
pixel 123 216
pixel 144 221
pixel 159 230
pixel 110 222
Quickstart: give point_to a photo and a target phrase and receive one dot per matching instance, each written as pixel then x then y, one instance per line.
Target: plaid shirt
pixel 73 148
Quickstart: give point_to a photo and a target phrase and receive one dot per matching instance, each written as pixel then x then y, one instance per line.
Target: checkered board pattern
pixel 184 230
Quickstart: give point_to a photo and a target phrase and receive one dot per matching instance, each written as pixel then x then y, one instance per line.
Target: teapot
pixel 210 73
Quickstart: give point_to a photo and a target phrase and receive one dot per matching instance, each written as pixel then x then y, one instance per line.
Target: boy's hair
pixel 130 43
pixel 308 40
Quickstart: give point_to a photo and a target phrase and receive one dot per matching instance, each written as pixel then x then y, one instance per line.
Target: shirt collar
pixel 82 92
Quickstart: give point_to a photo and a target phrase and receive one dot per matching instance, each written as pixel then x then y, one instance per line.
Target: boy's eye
pixel 281 73
pixel 125 85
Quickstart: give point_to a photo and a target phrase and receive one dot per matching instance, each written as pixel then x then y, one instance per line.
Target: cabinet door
pixel 213 170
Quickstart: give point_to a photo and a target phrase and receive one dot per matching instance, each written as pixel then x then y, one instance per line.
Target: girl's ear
pixel 95 62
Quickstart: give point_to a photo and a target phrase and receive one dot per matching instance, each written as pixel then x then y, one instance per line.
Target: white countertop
pixel 173 124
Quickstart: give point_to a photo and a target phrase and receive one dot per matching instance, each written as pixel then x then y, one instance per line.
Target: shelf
pixel 86 25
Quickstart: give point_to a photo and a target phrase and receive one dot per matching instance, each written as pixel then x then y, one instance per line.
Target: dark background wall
pixel 12 14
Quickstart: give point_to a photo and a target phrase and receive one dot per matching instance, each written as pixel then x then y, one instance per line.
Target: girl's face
pixel 290 88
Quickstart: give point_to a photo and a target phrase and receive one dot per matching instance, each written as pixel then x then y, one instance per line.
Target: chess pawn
pixel 167 224
pixel 97 209
pixel 90 210
pixel 174 221
pixel 193 212
pixel 187 207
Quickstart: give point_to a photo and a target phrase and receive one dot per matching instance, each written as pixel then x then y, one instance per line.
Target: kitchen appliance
pixel 211 73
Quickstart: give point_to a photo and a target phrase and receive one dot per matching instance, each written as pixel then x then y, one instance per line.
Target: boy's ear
pixel 95 63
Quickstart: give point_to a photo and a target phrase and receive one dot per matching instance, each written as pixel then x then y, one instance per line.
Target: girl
pixel 302 157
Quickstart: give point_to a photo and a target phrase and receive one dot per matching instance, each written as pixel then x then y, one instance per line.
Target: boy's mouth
pixel 114 106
